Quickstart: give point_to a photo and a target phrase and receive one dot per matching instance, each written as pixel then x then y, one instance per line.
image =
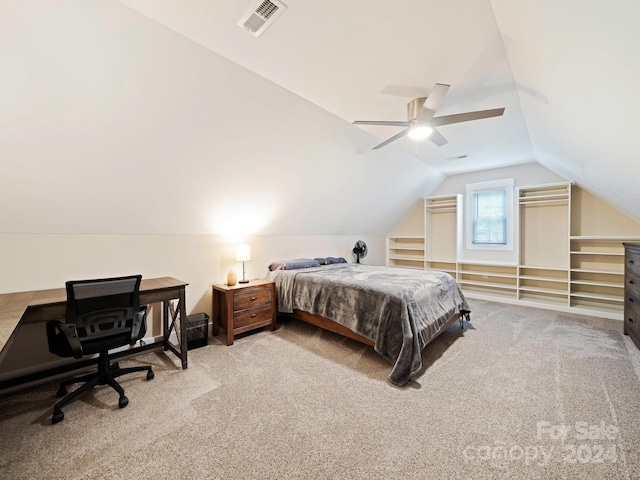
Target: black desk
pixel 42 305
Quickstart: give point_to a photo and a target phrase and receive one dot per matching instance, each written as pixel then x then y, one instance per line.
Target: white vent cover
pixel 457 157
pixel 261 15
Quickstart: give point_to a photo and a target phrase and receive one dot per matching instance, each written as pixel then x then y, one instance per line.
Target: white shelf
pixel 552 291
pixel 537 267
pixel 600 272
pixel 408 266
pixel 405 251
pixel 489 264
pixel 614 254
pixel 441 209
pixel 553 269
pixel 502 286
pixel 598 284
pixel 605 238
pixel 487 274
pixel 598 296
pixel 544 299
pixel 406 257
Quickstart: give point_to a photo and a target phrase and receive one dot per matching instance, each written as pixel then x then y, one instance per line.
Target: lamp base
pixel 243 281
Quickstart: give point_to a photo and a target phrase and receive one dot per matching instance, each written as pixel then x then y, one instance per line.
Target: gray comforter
pixel 398 309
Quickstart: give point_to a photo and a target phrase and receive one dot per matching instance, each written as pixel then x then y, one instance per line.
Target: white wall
pixel 523 175
pixel 46 261
pixel 127 148
pixel 113 124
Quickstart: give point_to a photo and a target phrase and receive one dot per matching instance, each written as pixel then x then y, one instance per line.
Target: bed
pixel 398 311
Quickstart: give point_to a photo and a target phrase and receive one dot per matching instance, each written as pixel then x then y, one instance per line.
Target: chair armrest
pixel 69 333
pixel 138 321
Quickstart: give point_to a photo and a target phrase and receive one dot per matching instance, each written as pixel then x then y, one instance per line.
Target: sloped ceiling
pixel 152 117
pixel 112 123
pixel 565 71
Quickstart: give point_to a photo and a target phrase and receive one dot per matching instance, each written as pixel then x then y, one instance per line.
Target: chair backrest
pixel 103 307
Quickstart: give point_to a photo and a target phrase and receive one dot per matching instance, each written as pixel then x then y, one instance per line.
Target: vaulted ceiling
pixel 566 72
pixel 217 131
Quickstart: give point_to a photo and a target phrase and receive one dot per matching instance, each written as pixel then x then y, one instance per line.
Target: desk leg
pixel 177 315
pixel 165 326
pixel 183 328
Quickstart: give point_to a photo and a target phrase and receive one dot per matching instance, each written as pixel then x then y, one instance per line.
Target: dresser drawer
pixel 631 322
pixel 250 298
pixel 252 316
pixel 632 261
pixel 632 284
pixel 632 301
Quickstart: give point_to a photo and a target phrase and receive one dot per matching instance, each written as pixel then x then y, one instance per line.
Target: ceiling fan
pixel 421 122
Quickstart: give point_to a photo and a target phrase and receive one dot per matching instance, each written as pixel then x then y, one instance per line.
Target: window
pixel 489 213
pixel 490 217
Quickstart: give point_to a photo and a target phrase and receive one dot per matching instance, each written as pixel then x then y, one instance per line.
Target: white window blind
pixel 490 217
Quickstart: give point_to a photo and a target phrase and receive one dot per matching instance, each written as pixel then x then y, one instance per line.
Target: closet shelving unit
pixel 554 269
pixel 443 214
pixel 488 278
pixel 405 251
pixel 544 218
pixel 597 272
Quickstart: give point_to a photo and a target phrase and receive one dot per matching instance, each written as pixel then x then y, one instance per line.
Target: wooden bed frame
pixel 334 327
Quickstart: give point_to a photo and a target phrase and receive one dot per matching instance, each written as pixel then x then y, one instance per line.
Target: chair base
pixel 106 375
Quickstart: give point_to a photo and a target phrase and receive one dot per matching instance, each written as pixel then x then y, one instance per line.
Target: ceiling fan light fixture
pixel 420 132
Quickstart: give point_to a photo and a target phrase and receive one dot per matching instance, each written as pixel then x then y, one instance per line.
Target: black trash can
pixel 197 330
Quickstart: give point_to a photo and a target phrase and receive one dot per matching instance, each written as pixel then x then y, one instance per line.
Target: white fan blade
pixel 437 138
pixel 395 137
pixel 465 117
pixel 382 122
pixel 436 96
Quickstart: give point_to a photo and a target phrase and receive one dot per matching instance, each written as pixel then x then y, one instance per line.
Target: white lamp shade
pixel 243 253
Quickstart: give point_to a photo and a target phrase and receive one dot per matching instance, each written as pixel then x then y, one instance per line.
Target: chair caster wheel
pixel 58 416
pixel 150 375
pixel 61 392
pixel 123 402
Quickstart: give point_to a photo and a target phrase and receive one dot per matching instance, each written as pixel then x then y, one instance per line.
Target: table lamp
pixel 243 254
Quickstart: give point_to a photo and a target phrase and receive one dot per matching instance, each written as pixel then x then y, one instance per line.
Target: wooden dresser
pixel 632 292
pixel 244 307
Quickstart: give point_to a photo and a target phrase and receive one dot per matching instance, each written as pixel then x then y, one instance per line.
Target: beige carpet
pixel 523 393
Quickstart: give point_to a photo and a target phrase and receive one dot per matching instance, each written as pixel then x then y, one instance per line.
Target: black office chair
pixel 102 314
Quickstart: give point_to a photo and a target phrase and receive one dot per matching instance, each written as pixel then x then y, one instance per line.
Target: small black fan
pixel 360 250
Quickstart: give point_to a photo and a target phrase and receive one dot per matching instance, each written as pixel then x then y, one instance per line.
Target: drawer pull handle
pixel 630 320
pixel 253 298
pixel 254 315
pixel 631 299
pixel 631 261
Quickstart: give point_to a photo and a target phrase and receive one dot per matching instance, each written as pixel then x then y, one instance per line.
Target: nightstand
pixel 244 307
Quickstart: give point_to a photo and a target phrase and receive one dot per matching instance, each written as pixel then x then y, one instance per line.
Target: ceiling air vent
pixel 261 15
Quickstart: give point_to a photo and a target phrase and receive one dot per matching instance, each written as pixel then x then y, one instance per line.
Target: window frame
pixel 506 185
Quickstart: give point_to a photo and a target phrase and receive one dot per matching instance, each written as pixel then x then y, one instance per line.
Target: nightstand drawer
pixel 249 298
pixel 244 307
pixel 252 316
